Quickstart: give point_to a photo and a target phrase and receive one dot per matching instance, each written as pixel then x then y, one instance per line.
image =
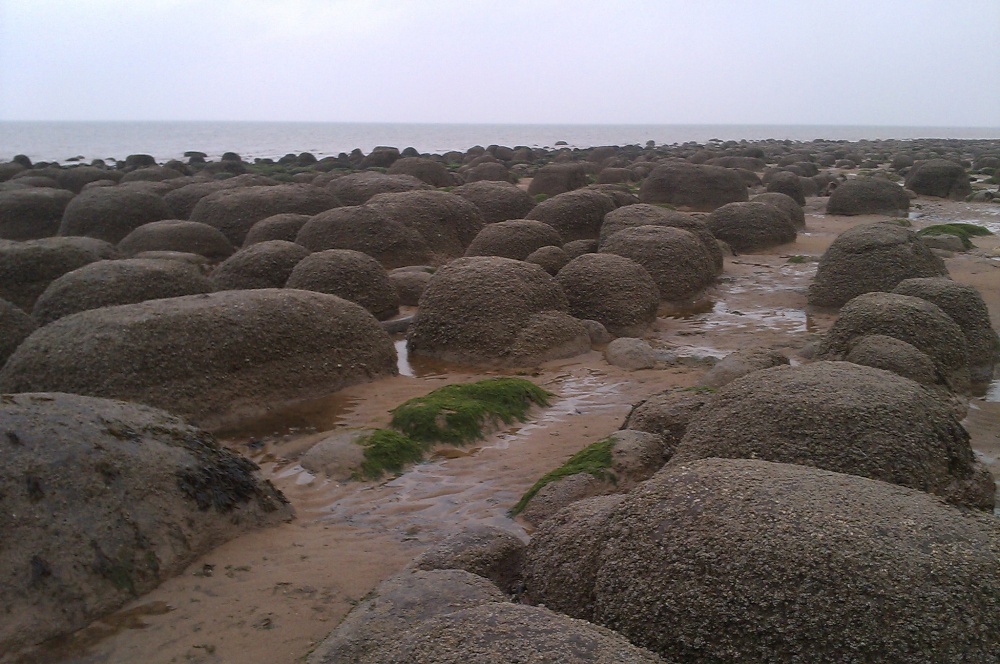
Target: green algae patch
pixel 458 414
pixel 965 232
pixel 594 459
pixel 388 451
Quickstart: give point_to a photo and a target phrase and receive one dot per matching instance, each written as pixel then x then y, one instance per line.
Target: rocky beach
pixel 709 401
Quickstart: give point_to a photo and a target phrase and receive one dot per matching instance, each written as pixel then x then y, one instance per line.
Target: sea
pixel 84 141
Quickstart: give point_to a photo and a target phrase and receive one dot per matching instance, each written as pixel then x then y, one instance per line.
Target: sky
pixel 775 62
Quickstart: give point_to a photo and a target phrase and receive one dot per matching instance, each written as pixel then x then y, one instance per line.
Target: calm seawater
pixel 59 141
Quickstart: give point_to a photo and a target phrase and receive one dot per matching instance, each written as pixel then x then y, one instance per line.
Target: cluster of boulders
pixel 215 290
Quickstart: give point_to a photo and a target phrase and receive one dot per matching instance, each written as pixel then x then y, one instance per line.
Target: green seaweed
pixel 798 259
pixel 541 197
pixel 700 389
pixel 388 451
pixel 965 232
pixel 457 414
pixel 595 459
pixel 905 223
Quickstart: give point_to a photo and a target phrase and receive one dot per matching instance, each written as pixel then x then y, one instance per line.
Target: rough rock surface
pixel 102 500
pixel 675 258
pixel 941 178
pixel 474 309
pixel 576 215
pixel 550 258
pixel 786 204
pixel 965 306
pixel 111 213
pixel 109 283
pixel 868 196
pixel 486 551
pixel 697 187
pixel 497 201
pixel 846 418
pixel 789 558
pixel 263 265
pixel 667 415
pixel 751 226
pixel 872 257
pixel 740 363
pixel 642 214
pixel 895 355
pixel 613 290
pixel 177 235
pixel 284 226
pixel 32 213
pixel 15 326
pixel 212 358
pixel 911 319
pixel 630 353
pixel 365 229
pixel 447 223
pixel 27 268
pixel 235 211
pixel 555 179
pixel 357 188
pixel 352 275
pixel 516 238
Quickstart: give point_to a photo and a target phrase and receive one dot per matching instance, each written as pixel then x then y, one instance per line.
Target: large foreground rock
pixel 102 500
pixel 213 358
pixel 872 257
pixel 491 310
pixel 847 418
pixel 15 326
pixel 32 212
pixel 613 290
pixel 799 564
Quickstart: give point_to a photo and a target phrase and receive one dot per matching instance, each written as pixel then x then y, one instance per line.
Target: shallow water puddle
pixel 455 492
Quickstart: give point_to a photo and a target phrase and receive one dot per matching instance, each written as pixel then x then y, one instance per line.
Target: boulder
pixel 697 187
pixel 550 258
pixel 871 257
pixel 352 275
pixel 487 172
pixel 358 188
pixel 612 290
pixel 965 306
pixel 27 268
pixel 425 170
pixel 497 201
pixel 846 418
pixel 667 415
pixel 677 260
pixel 891 354
pixel 32 212
pixel 799 564
pixel 111 213
pixel 485 551
pixel 643 214
pixel 189 237
pixel 548 335
pixel 555 179
pixel 475 310
pixel 786 204
pixel 784 182
pixel 630 353
pixel 15 327
pixel 109 283
pixel 409 284
pixel 365 229
pixel 213 358
pixel 911 319
pixel 738 364
pixel 576 215
pixel 182 200
pixel 235 211
pixel 262 265
pixel 868 196
pixel 102 500
pixel 941 178
pixel 447 223
pixel 284 226
pixel 751 226
pixel 516 239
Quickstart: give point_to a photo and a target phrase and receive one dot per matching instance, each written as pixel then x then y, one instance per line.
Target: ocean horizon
pixel 84 141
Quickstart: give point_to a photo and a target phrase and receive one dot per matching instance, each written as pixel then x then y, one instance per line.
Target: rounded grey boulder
pixel 27 268
pixel 111 213
pixel 32 212
pixel 213 358
pixel 868 196
pixel 871 257
pixel 675 258
pixel 751 226
pixel 352 275
pixel 697 187
pixel 188 237
pixel 613 290
pixel 262 265
pixel 497 201
pixel 516 239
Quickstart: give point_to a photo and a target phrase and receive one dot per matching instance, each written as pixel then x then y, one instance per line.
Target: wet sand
pixel 272 595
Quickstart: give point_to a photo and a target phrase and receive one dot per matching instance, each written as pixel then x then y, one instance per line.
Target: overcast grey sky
pixel 862 62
